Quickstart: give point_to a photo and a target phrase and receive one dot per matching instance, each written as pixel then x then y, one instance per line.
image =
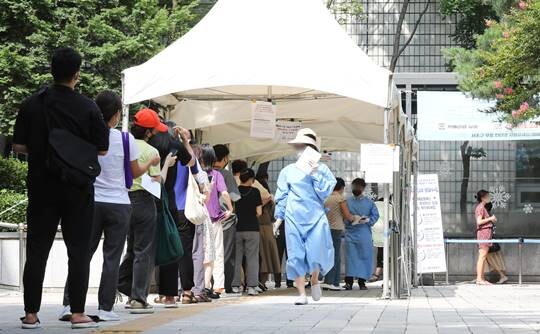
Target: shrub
pixel 9 198
pixel 13 175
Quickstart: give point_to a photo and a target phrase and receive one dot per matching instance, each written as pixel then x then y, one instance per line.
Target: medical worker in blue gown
pixel 358 239
pixel 300 201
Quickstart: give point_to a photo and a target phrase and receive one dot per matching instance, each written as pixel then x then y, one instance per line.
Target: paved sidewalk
pixel 464 308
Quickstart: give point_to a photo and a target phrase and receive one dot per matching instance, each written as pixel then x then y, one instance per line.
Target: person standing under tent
pixel 358 240
pixel 112 211
pixel 378 242
pixel 300 201
pixel 54 198
pixel 175 141
pixel 138 263
pixel 338 211
pixel 215 269
pixel 249 209
pixel 229 224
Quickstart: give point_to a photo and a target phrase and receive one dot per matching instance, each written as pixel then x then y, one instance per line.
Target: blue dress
pixel 358 239
pixel 300 204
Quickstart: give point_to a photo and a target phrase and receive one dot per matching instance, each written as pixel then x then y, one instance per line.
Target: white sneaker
pixel 325 286
pixel 316 292
pixel 108 316
pixel 252 291
pixel 335 288
pixel 236 289
pixel 140 308
pixel 301 300
pixel 502 280
pixel 259 290
pixel 65 315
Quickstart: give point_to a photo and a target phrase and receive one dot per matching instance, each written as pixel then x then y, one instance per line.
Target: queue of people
pixel 93 180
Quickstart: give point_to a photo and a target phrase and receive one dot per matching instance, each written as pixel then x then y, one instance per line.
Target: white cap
pixel 303 136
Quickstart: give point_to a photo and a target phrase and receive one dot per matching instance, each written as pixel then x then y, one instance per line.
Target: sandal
pixel 483 283
pixel 202 299
pixel 27 325
pixel 159 299
pixel 188 298
pixel 373 278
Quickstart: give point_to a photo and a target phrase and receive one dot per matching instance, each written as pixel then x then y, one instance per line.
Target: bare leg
pixel 315 278
pixel 300 285
pixel 482 254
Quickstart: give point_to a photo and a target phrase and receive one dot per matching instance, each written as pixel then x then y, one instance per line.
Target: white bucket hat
pixel 303 136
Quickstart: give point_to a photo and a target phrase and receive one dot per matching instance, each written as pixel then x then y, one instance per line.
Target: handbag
pixel 494 248
pixel 195 210
pixel 69 157
pixel 168 244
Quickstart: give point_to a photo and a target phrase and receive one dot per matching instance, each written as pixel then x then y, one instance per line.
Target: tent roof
pixel 242 46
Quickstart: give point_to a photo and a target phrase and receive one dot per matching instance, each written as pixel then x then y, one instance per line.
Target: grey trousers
pixel 138 263
pixel 229 255
pixel 111 220
pixel 247 245
pixel 198 260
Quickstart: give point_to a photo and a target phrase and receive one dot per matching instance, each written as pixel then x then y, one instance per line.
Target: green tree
pixel 505 65
pixel 110 34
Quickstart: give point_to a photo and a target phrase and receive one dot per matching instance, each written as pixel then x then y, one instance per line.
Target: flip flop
pixel 34 325
pixel 83 325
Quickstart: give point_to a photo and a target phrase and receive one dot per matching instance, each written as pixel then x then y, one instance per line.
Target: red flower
pixel 523 107
pixel 515 113
pixel 508 90
pixel 522 5
pixel 499 96
pixel 498 84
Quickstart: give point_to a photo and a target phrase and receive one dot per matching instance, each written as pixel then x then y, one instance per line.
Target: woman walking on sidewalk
pixel 484 231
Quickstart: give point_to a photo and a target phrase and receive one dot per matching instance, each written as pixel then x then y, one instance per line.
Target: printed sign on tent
pixel 286 130
pixel 263 120
pixel 429 234
pixel 377 161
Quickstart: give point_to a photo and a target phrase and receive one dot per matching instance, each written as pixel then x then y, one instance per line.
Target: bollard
pixel 446 246
pixel 520 264
pixel 20 229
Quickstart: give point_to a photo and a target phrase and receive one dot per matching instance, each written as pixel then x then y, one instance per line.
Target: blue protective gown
pixel 358 240
pixel 300 204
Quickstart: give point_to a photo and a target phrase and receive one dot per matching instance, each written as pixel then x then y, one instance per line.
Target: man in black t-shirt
pixel 50 199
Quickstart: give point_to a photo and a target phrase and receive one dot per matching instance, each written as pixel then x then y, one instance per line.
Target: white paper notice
pixel 377 160
pixel 396 159
pixel 286 131
pixel 429 235
pixel 263 120
pixel 150 185
pixel 307 160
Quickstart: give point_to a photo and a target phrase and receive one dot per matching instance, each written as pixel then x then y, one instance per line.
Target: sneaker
pixel 301 300
pixel 107 316
pixel 235 289
pixel 128 304
pixel 252 291
pixel 348 286
pixel 502 280
pixel 258 289
pixel 325 286
pixel 316 292
pixel 140 308
pixel 335 288
pixel 65 315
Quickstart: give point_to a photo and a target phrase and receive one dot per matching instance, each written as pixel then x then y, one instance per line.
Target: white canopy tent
pixel 292 52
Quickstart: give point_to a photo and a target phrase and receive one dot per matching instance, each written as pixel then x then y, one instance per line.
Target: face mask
pixel 357 193
pixel 299 153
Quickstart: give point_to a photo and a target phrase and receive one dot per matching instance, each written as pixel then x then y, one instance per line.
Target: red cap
pixel 147 118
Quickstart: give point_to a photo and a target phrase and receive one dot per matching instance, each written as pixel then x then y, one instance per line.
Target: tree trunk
pixel 466 162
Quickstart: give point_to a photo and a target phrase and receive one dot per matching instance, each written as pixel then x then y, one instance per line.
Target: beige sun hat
pixel 303 136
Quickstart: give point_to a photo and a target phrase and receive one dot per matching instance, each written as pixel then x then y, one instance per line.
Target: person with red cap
pixel 138 263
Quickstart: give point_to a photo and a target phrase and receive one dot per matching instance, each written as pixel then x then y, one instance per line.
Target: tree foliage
pixel 110 34
pixel 505 64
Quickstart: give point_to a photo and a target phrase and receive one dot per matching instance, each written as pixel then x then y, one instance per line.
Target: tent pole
pixel 125 109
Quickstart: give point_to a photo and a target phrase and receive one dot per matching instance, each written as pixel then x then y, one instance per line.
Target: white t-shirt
pixel 110 185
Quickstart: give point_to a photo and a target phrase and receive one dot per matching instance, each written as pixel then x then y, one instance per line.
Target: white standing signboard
pixel 286 130
pixel 377 161
pixel 263 120
pixel 429 234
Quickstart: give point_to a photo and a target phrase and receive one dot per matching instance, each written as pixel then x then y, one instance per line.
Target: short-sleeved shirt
pixel 181 183
pixel 334 214
pixel 230 182
pixel 147 153
pixel 110 185
pixel 256 184
pixel 246 209
pixel 68 110
pixel 218 186
pixel 481 210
